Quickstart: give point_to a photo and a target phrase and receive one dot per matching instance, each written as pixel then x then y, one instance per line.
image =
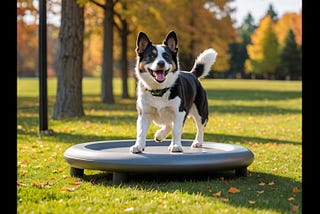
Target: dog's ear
pixel 142 42
pixel 171 41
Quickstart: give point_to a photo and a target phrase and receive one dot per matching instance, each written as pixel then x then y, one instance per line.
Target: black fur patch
pixel 190 90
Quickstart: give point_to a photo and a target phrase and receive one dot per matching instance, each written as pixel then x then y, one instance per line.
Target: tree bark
pixel 124 61
pixel 69 62
pixel 107 64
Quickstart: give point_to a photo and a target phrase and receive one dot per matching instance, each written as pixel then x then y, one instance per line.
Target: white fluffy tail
pixel 203 63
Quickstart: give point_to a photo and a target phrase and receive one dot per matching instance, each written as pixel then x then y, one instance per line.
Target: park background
pixel 268 48
pixel 254 93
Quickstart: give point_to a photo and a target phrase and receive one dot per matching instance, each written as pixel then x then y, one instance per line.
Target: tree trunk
pixel 124 62
pixel 107 62
pixel 69 62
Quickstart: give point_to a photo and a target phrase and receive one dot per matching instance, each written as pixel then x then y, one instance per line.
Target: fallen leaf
pixel 218 194
pixel 291 199
pixel 129 209
pixel 41 185
pixel 24 172
pixel 224 199
pixel 251 202
pixel 271 183
pixel 233 190
pixel 19 183
pixel 294 208
pixel 75 182
pixel 89 126
pixel 68 189
pixel 260 192
pixel 262 184
pixel 296 190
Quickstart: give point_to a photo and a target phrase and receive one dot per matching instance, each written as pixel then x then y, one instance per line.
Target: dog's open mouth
pixel 159 75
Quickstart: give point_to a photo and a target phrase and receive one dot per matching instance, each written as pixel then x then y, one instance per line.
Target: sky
pixel 258 8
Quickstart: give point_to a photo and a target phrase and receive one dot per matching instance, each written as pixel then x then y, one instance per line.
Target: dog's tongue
pixel 160 76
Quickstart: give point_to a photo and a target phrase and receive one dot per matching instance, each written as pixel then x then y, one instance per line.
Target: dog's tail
pixel 203 63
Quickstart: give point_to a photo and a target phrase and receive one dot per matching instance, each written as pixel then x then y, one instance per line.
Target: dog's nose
pixel 161 64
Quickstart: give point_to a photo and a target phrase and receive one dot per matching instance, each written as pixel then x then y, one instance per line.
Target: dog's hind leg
pixel 197 143
pixel 162 133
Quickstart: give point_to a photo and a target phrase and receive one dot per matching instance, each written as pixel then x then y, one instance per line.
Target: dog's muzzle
pixel 159 75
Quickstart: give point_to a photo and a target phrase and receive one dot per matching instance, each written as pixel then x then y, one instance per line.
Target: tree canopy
pixel 199 25
pixel 264 50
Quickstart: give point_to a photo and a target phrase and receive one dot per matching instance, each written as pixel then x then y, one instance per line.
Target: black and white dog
pixel 166 95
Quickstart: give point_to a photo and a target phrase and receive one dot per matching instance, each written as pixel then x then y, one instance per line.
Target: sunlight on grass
pixel 265 116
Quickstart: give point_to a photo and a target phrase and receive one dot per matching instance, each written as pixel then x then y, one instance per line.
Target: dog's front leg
pixel 143 123
pixel 176 145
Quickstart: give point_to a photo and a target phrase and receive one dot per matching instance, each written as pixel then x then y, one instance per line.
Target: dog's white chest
pixel 160 109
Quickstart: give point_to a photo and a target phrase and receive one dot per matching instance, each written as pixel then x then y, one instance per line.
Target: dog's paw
pixel 175 148
pixel 196 144
pixel 156 139
pixel 136 149
pixel 160 135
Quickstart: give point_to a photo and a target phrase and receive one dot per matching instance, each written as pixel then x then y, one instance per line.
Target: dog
pixel 166 95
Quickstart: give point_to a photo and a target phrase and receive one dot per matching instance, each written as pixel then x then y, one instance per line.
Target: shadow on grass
pixel 273 195
pixel 251 95
pixel 70 138
pixel 251 110
pixel 66 137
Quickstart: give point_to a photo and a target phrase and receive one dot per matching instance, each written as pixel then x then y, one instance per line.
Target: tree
pixel 247 28
pixel 27 38
pixel 238 50
pixel 271 59
pixel 93 33
pixel 272 13
pixel 124 15
pixel 107 63
pixel 289 21
pixel 69 62
pixel 291 58
pixel 199 24
pixel 107 55
pixel 263 53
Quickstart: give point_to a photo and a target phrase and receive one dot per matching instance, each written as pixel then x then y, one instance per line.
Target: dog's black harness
pixel 158 92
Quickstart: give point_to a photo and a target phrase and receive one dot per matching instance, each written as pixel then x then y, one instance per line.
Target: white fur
pixel 207 57
pixel 164 112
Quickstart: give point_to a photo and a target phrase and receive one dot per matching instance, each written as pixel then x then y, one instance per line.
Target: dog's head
pixel 157 65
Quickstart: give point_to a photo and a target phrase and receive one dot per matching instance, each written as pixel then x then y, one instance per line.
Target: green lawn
pixel 264 116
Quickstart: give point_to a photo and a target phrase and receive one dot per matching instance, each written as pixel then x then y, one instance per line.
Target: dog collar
pixel 158 92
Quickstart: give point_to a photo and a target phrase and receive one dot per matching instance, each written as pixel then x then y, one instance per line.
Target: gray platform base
pixel 114 156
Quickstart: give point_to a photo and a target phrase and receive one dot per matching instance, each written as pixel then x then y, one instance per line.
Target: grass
pixel 265 116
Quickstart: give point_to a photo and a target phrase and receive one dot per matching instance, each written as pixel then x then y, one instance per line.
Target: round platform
pixel 114 156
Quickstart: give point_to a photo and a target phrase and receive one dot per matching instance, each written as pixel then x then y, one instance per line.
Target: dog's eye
pixel 166 56
pixel 152 56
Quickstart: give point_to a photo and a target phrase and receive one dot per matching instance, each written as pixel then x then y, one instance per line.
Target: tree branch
pixel 98 4
pixel 116 25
